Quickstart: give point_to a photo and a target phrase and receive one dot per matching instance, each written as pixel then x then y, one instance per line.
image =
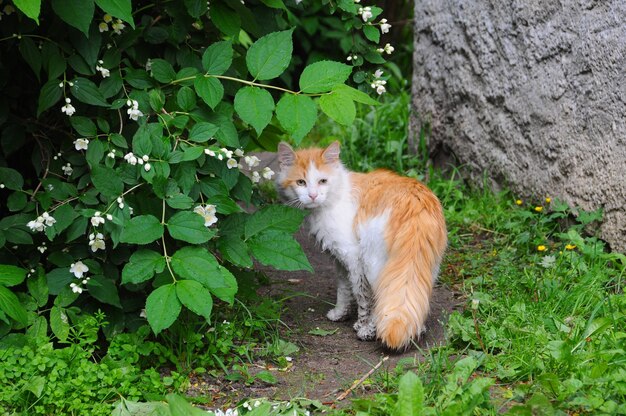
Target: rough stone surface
pixel 531 92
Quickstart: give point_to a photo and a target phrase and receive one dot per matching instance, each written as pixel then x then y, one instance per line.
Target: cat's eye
pixel 323 181
pixel 300 182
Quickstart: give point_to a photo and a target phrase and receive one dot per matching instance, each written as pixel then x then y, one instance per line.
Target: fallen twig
pixel 361 380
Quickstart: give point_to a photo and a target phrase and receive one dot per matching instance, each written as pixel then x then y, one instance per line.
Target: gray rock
pixel 532 92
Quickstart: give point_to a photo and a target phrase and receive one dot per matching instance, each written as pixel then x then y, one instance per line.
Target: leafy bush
pixel 123 128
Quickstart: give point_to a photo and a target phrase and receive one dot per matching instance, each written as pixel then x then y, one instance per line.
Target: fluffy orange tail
pixel 416 240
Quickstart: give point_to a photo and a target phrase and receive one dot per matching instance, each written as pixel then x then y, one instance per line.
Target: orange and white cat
pixel 387 233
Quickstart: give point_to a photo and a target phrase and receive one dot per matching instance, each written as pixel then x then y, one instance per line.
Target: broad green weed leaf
pixel 354 94
pixel 410 396
pixel 30 8
pixel 186 99
pixel 209 89
pixel 104 290
pixel 372 33
pixel 235 250
pixel 162 308
pixel 11 179
pixel 142 265
pixel 87 92
pixel 83 125
pixel 338 107
pixel 59 323
pixel 196 8
pixel 31 55
pixel 255 106
pixel 274 218
pixel 49 95
pixel 202 132
pixel 122 9
pixel 77 13
pixel 270 55
pixel 189 226
pixel 225 18
pixel 297 115
pixel 142 229
pixel 323 76
pixel 162 71
pixel 279 250
pixel 195 297
pixel 11 275
pixel 229 289
pixel 218 57
pixel 198 264
pixel 107 181
pixel 38 288
pixel 178 406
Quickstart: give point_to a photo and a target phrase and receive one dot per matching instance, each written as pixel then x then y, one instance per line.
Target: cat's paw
pixel 365 332
pixel 337 314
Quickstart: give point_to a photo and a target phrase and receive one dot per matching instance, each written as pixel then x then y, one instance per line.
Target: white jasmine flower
pixel 267 173
pixel 148 65
pixel 2 186
pixel 384 26
pixel 103 27
pixel 103 71
pixel 231 163
pixel 378 73
pixel 227 153
pixel 67 169
pixel 133 111
pixel 78 269
pixel 220 156
pixel 107 18
pixel 81 144
pixel 120 202
pixel 207 212
pixel 209 152
pixel 255 177
pixel 42 248
pixel 96 242
pixel 366 13
pixel 48 219
pixel 97 219
pixel 50 187
pixel 288 359
pixel 145 158
pixel 388 49
pixel 239 152
pixel 76 288
pixel 118 26
pixel 252 161
pixel 111 154
pixel 68 108
pixel 142 314
pixel 130 158
pixel 379 86
pixel 36 225
pixel 147 167
pixel 109 217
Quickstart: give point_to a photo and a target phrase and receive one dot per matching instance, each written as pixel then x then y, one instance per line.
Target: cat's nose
pixel 312 195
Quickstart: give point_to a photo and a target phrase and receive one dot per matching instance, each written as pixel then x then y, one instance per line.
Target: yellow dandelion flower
pixel 570 247
pixel 548 199
pixel 542 248
pixel 538 209
pixel 518 202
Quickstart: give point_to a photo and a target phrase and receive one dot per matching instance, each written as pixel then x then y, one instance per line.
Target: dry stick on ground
pixel 361 380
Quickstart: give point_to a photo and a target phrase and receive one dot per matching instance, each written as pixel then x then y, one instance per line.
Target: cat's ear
pixel 286 155
pixel 331 153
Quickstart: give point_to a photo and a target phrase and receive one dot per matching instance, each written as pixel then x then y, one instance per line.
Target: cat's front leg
pixel 342 308
pixel 364 326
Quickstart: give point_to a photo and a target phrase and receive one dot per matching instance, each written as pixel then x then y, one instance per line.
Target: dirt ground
pixel 326 365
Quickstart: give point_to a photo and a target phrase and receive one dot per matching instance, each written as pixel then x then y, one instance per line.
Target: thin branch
pixel 361 380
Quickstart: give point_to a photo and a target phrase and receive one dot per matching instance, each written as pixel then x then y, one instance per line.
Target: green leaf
pixel 255 106
pixel 323 76
pixel 195 297
pixel 104 290
pixel 322 332
pixel 196 8
pixel 235 250
pixel 11 275
pixel 372 33
pixel 192 153
pixel 180 201
pixel 10 304
pixel 338 107
pixel 196 263
pixel 76 13
pixel 65 216
pixel 58 279
pixel 156 99
pixel 17 201
pixel 270 55
pixel 53 62
pixel 59 323
pixel 95 152
pixel 267 377
pixel 410 396
pixel 189 226
pixel 142 229
pixel 274 218
pixel 11 179
pixel 186 99
pixel 162 308
pixel 30 8
pixel 38 288
pixel 297 114
pixel 142 265
pixel 87 92
pixel 218 57
pixel 178 406
pixel 354 94
pixel 49 95
pixel 280 250
pixel 31 55
pixel 229 289
pixel 122 9
pixel 209 89
pixel 162 71
pixel 107 181
pixel 202 132
pixel 225 19
pixel 83 126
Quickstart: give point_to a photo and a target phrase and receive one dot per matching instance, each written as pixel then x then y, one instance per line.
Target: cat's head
pixel 309 177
